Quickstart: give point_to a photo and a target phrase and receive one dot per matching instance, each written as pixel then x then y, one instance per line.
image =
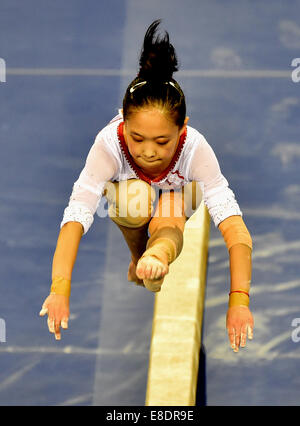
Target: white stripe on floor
pixel 100 72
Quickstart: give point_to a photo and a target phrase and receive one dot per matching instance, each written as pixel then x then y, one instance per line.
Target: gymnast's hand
pixel 57 308
pixel 239 323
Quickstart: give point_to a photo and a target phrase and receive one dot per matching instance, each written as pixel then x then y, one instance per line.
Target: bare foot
pixel 152 272
pixel 131 275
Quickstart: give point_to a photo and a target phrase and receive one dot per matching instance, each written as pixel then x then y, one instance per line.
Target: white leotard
pixel 109 160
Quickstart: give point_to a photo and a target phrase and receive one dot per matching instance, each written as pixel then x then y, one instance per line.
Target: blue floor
pixel 48 122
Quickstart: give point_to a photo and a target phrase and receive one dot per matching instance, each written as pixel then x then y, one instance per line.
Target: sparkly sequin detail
pixel 222 205
pixel 78 213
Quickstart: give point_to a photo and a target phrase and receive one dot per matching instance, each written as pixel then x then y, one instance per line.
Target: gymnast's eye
pixel 164 142
pixel 137 139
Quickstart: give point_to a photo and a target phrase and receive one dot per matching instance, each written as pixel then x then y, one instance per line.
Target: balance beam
pixel 177 320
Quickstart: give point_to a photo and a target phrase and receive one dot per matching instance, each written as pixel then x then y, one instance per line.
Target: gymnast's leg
pixel 130 207
pixel 165 242
pixel 166 229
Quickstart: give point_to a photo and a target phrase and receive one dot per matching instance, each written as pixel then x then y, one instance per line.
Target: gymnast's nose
pixel 149 153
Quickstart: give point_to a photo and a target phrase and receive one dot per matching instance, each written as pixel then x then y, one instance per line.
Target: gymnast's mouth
pixel 150 161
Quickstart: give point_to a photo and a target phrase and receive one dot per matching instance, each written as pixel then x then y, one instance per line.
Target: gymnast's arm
pixel 226 214
pixel 87 191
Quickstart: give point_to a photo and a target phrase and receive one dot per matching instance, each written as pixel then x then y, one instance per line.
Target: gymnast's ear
pixel 183 128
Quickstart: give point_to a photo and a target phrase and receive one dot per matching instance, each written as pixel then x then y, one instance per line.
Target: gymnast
pixel 150 164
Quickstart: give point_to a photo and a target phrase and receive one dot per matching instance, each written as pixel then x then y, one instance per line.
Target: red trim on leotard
pixel 137 169
pixel 177 173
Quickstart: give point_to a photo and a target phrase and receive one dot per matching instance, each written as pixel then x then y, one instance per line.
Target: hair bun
pixel 158 60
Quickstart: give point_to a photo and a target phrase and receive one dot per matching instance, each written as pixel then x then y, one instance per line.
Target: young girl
pixel 141 161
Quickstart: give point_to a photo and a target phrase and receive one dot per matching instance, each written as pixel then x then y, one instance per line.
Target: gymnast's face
pixel 152 139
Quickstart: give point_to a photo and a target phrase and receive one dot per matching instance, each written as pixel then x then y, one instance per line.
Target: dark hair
pixel 154 84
